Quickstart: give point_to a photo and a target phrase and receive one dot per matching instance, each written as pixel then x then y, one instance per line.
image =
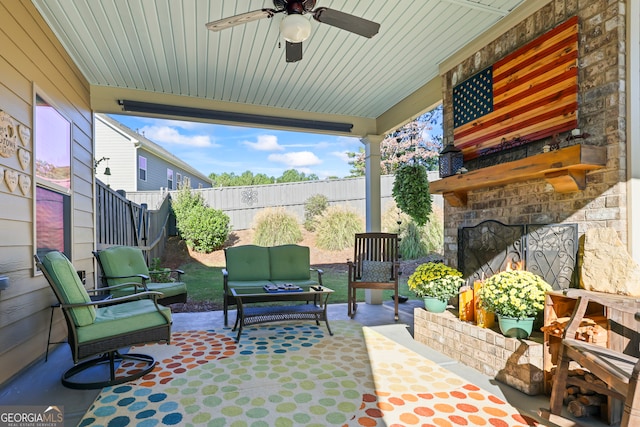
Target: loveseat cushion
pixel 124 318
pixel 247 262
pixel 289 263
pixel 69 285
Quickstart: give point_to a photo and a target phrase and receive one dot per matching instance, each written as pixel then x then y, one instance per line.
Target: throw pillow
pixel 376 271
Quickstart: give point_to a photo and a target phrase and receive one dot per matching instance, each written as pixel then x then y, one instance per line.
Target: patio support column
pixel 633 130
pixel 372 181
pixel 372 198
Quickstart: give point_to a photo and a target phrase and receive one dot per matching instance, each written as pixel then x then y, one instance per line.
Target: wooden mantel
pixel 565 169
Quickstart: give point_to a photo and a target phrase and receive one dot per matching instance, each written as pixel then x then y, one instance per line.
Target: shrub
pixel 314 206
pixel 185 200
pixel 204 229
pixel 157 273
pixel 433 232
pixel 415 241
pixel 412 246
pixel 276 226
pixel 336 228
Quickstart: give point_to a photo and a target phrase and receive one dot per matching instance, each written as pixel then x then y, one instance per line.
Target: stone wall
pixel 601 114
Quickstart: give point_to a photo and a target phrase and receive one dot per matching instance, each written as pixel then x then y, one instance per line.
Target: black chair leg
pixel 112 358
pixel 46 355
pixel 49 342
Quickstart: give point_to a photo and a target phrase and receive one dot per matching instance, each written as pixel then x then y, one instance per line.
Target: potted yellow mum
pixel 516 297
pixel 436 283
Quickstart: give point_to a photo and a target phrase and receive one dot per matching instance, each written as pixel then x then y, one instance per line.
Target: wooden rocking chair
pixel 375 266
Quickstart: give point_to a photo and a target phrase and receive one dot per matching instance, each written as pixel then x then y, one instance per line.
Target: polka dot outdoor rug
pixel 296 374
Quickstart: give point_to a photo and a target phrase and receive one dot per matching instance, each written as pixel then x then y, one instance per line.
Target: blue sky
pixel 216 148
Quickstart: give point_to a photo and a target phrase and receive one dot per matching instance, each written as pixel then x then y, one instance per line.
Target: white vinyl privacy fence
pixel 242 203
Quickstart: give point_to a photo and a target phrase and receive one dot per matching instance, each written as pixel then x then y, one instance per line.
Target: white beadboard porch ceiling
pixel 160 51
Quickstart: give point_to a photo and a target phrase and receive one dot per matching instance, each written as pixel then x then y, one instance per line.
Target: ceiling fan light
pixel 295 28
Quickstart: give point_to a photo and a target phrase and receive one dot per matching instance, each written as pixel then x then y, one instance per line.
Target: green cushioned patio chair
pixel 127 265
pixel 97 330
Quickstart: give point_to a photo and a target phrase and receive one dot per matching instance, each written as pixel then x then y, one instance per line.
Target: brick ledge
pixel 517 363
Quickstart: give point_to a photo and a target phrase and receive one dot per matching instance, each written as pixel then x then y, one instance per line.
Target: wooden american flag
pixel 528 95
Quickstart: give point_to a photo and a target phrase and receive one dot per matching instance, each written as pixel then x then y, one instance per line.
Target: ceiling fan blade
pixel 243 18
pixel 345 21
pixel 293 51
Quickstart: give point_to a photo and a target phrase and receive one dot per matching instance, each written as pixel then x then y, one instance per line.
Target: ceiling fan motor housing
pixel 295 6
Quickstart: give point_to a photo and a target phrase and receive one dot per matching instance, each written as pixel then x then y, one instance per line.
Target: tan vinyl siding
pixel 32 59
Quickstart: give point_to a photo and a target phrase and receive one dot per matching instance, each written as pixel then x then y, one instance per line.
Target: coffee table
pixel 315 308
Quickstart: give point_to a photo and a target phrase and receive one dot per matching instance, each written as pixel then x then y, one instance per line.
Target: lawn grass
pixel 204 284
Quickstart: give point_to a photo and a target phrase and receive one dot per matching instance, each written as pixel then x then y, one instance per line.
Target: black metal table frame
pixel 315 309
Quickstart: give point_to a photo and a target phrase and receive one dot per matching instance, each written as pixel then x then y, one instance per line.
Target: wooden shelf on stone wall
pixel 565 169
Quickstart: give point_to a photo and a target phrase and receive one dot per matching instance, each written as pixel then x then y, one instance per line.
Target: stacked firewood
pixel 591 330
pixel 581 401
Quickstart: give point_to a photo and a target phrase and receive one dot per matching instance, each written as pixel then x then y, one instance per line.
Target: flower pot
pixel 434 305
pixel 515 328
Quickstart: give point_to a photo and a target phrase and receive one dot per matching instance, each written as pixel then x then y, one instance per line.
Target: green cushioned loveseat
pixel 256 266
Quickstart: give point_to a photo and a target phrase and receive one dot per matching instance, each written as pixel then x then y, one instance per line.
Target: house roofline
pixel 140 141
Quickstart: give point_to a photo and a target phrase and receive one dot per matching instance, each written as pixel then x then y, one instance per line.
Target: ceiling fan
pixel 295 28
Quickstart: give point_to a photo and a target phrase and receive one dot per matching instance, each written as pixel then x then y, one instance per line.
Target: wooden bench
pixel 617 370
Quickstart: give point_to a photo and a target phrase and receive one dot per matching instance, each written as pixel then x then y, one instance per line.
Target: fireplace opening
pixel 548 250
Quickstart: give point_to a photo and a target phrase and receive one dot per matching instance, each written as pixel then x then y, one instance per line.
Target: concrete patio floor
pixel 40 384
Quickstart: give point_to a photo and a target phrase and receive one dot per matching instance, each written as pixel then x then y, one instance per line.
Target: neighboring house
pixel 137 163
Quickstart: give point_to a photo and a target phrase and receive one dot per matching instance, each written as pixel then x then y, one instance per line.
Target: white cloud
pixel 169 135
pixel 184 124
pixel 296 160
pixel 342 155
pixel 152 122
pixel 304 145
pixel 265 143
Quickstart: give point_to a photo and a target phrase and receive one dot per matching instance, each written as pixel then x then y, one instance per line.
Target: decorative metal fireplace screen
pixel 548 250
